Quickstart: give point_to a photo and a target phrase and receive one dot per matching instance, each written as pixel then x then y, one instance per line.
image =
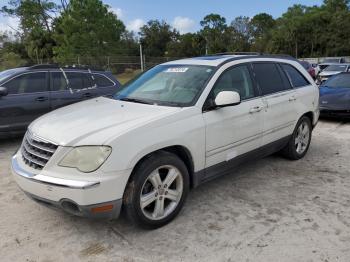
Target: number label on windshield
pixel 176 70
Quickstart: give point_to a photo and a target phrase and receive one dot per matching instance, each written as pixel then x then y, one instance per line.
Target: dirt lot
pixel 269 210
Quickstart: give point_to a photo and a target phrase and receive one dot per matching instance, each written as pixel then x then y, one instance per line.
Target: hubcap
pixel 161 192
pixel 302 138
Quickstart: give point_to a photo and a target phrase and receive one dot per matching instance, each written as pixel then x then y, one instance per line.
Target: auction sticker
pixel 176 70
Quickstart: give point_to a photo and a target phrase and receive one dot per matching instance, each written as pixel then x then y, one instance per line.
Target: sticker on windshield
pixel 176 70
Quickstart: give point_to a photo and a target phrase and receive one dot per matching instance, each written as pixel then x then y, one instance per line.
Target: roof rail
pixel 57 66
pixel 238 53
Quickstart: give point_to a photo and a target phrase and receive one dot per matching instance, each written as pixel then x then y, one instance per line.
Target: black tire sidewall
pixel 139 176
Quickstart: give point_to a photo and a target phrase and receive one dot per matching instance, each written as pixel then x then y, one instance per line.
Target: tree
pixel 261 26
pixel 187 45
pixel 36 18
pixel 155 36
pixel 87 29
pixel 214 30
pixel 240 34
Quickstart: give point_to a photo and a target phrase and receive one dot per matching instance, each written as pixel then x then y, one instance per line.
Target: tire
pixel 161 200
pixel 299 143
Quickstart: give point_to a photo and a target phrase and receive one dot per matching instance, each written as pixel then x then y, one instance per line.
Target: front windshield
pixel 342 80
pixel 168 85
pixel 339 68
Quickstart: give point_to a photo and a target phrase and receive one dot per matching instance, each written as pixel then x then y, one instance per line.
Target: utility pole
pixel 141 57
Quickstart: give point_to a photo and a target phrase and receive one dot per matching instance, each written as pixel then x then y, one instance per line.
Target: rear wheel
pixel 299 143
pixel 157 190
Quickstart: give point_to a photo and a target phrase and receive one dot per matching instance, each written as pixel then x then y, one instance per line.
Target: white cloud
pixel 117 11
pixel 9 24
pixel 183 24
pixel 135 25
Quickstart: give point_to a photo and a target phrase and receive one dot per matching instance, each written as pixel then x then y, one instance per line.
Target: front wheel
pixel 157 190
pixel 299 143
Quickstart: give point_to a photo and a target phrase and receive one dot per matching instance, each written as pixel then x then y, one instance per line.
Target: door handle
pixel 41 99
pixel 256 109
pixel 292 98
pixel 87 95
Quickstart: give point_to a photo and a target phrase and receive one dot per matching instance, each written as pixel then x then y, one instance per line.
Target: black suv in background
pixel 29 92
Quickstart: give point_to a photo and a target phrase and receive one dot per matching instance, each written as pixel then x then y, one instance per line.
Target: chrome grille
pixel 36 152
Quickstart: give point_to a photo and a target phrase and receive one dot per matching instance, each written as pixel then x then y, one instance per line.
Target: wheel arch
pixel 180 151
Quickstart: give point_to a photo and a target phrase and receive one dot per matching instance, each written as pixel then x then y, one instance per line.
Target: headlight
pixel 86 158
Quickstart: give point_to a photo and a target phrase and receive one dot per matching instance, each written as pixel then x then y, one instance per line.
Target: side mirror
pixel 3 91
pixel 227 98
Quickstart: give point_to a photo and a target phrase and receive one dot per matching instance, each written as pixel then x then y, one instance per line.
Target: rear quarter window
pixel 102 81
pixel 296 78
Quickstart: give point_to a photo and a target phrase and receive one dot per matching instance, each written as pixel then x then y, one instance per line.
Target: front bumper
pixel 93 199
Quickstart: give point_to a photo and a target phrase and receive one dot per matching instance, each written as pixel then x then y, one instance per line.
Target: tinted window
pixel 27 83
pixel 269 78
pixel 59 82
pixel 342 80
pixel 340 68
pixel 102 81
pixel 295 77
pixel 78 80
pixel 235 79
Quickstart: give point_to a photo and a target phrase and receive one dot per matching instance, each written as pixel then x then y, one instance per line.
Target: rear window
pixel 102 81
pixel 295 77
pixel 269 79
pixel 342 80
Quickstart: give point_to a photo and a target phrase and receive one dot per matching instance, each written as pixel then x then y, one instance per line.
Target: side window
pixel 235 79
pixel 269 78
pixel 59 82
pixel 78 80
pixel 27 83
pixel 102 81
pixel 295 77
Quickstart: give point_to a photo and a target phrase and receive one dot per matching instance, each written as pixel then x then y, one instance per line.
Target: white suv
pixel 174 127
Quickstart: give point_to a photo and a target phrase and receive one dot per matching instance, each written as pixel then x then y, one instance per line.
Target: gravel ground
pixel 269 210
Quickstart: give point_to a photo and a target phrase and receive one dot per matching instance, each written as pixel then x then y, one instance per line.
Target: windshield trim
pixel 173 104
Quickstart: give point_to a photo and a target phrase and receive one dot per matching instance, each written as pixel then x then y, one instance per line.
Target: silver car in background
pixel 331 70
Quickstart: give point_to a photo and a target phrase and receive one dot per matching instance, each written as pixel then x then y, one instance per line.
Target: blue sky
pixel 185 15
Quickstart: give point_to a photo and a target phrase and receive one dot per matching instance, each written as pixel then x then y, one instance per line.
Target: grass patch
pixel 127 75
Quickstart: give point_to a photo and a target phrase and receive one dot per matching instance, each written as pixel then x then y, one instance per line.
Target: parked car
pixel 29 92
pixel 335 96
pixel 174 127
pixel 309 68
pixel 330 71
pixel 334 60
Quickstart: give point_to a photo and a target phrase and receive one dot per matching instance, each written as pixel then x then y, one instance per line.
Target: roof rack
pixel 57 66
pixel 238 53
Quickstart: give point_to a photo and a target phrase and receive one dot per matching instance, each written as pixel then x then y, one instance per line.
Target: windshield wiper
pixel 135 100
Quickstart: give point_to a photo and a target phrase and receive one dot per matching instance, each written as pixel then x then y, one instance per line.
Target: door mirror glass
pixel 3 91
pixel 227 98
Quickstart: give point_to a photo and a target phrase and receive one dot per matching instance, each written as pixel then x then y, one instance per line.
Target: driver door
pixel 234 130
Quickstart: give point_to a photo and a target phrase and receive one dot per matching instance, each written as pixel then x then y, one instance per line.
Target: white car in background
pixel 176 126
pixel 331 70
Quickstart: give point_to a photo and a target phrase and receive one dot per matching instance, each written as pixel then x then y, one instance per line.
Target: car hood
pixel 87 122
pixel 334 98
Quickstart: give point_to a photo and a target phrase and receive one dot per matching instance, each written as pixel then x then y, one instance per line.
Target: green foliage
pixel 86 28
pixel 10 60
pixel 155 36
pixel 82 29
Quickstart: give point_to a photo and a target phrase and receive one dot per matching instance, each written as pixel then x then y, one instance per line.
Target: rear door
pixel 70 87
pixel 280 113
pixel 27 99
